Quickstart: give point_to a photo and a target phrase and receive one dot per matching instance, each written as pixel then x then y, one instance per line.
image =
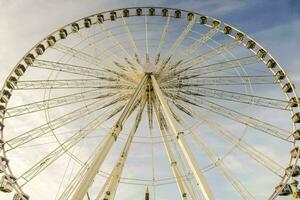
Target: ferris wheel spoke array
pixel 61 121
pixel 162 40
pixel 175 45
pixel 132 41
pixel 57 102
pixel 195 46
pixel 67 145
pixel 209 54
pixel 237 97
pixel 72 69
pixel 110 186
pixel 73 94
pixel 192 73
pixel 257 124
pixel 260 157
pixel 69 84
pixel 238 186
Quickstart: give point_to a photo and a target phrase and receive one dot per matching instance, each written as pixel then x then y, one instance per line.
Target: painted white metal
pixel 204 187
pixel 180 183
pixel 100 155
pixel 110 187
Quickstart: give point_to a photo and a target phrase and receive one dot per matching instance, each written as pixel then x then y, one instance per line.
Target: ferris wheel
pixel 149 103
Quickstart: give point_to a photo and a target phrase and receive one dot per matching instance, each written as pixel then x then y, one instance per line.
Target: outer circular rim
pixel 235 33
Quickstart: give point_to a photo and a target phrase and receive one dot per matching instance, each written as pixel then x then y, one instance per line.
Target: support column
pixel 110 187
pixel 204 187
pixel 173 163
pixel 100 155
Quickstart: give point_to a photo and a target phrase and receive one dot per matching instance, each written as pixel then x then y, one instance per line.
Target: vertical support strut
pixel 100 155
pixel 204 187
pixel 176 172
pixel 110 187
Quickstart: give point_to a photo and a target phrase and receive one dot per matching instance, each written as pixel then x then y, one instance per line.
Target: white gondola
pixel 296 118
pixel 261 53
pixel 203 20
pixel 21 197
pixel 51 41
pixel 293 102
pixel 271 63
pixel 1 127
pixel 100 18
pixel 165 12
pixel 294 185
pixel 190 16
pixel 63 33
pixel 287 88
pixel 40 49
pixel 87 22
pixel 227 30
pixel 2 107
pixel 29 59
pixel 5 96
pixel 286 190
pixel 289 171
pixel 20 69
pixel 3 164
pixel 75 27
pixel 296 134
pixel 152 11
pixel 280 75
pixel 7 183
pixel 139 11
pixel 215 24
pixel 113 15
pixel 250 44
pixel 125 13
pixel 294 152
pixel 11 83
pixel 177 14
pixel 239 36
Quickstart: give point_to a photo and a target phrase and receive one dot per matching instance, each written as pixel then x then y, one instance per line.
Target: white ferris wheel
pixel 172 102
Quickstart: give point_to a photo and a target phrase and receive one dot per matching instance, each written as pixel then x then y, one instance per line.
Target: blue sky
pixel 275 24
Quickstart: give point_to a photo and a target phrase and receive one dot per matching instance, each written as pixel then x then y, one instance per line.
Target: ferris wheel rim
pixel 284 179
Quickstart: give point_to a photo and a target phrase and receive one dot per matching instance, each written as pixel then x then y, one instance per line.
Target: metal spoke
pixel 70 83
pixel 248 149
pixel 196 45
pixel 109 189
pixel 175 45
pixel 162 39
pixel 206 191
pixel 115 41
pixel 79 54
pixel 64 147
pixel 173 164
pixel 252 122
pixel 105 53
pixel 210 54
pixel 193 81
pixel 237 97
pixel 100 155
pixel 59 122
pixel 57 102
pixel 238 186
pixel 132 42
pixel 72 69
pixel 192 71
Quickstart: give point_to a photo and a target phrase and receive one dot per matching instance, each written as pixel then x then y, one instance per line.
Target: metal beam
pixel 101 154
pixel 204 187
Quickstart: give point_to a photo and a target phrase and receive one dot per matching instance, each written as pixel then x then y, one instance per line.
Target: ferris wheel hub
pixel 150 67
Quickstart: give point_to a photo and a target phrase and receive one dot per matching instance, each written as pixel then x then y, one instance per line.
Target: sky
pixel 274 24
